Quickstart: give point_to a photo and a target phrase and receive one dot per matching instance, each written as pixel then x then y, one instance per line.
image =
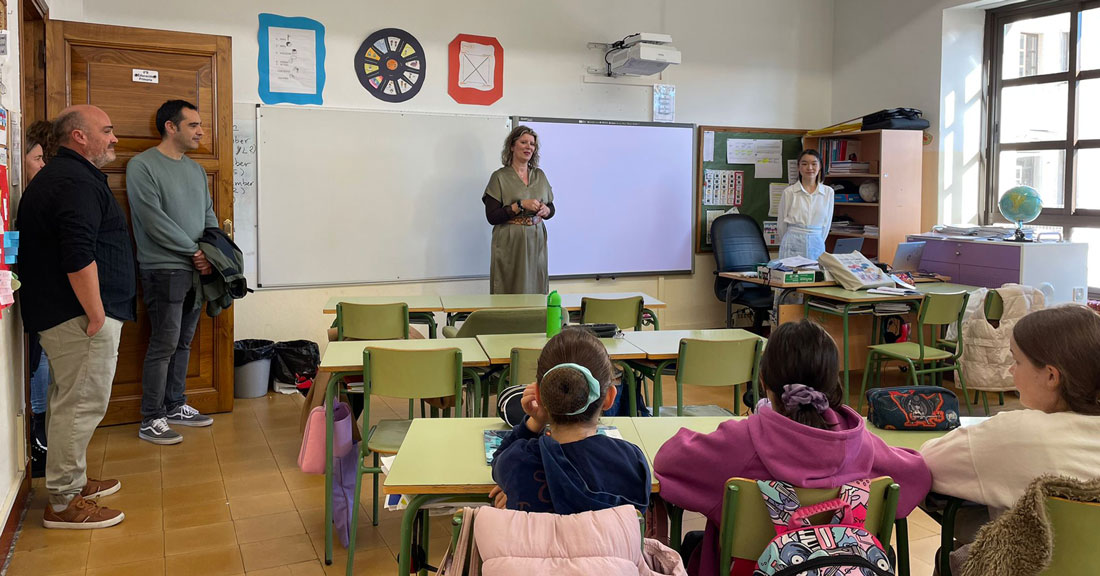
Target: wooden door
pixel 96 64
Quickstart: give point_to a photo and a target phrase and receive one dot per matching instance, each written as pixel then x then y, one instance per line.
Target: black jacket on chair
pixel 738 247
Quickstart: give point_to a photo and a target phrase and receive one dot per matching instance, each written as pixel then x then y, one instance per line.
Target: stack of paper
pixel 871 230
pixel 794 263
pixel 891 308
pixel 846 167
pixel 6 296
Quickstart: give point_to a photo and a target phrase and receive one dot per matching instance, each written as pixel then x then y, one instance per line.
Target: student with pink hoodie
pixel 802 434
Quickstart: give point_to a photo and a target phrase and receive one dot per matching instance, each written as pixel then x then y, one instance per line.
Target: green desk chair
pixel 713 363
pixel 625 313
pixel 402 374
pixel 520 370
pixel 994 310
pixel 372 321
pixel 499 321
pixel 937 311
pixel 747 528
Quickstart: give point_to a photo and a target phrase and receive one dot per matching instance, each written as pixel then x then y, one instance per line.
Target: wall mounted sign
pixel 390 65
pixel 146 76
pixel 292 60
pixel 476 74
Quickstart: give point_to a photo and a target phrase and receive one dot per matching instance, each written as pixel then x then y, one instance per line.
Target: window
pixel 1043 124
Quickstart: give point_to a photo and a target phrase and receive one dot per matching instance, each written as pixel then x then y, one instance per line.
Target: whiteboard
pixel 362 196
pixel 623 196
pixel 244 185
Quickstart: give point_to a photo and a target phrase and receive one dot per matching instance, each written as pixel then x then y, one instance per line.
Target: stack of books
pixel 848 167
pixel 871 230
pixel 891 308
pixel 846 227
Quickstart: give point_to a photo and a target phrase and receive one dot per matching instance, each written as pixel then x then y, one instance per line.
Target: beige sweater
pixel 993 463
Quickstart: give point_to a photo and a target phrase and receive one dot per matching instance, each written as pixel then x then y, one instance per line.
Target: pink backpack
pixel 842 547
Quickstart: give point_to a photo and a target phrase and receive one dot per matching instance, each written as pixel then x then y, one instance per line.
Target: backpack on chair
pixel 841 547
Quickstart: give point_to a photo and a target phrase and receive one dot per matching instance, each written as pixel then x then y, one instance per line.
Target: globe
pixel 1020 204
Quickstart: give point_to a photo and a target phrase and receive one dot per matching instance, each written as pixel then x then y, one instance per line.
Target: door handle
pixel 227 227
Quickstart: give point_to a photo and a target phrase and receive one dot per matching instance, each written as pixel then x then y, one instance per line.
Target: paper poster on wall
pixel 740 151
pixel 775 194
pixel 291 60
pixel 390 65
pixel 708 146
pixel 475 69
pixel 3 126
pixel 711 215
pixel 769 167
pixel 792 171
pixel 771 232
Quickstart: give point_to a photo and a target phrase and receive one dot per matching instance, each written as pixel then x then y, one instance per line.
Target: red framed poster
pixel 476 69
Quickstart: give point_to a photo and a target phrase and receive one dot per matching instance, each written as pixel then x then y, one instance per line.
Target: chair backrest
pixel 746 528
pixel 372 321
pixel 503 321
pixel 994 305
pixel 1075 549
pixel 718 362
pixel 623 312
pixel 938 310
pixel 413 373
pixel 525 362
pixel 738 246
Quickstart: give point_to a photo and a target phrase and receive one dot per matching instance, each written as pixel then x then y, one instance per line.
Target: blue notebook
pixel 494 438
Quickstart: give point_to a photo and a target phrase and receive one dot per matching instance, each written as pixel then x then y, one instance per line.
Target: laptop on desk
pixel 847 245
pixel 907 257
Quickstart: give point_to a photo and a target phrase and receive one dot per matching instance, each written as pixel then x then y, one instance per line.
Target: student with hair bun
pixel 802 434
pixel 570 468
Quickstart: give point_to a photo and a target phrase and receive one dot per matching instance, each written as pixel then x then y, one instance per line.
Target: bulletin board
pixel 744 190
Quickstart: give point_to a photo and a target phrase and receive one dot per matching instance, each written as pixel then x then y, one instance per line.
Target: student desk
pixel 459 305
pixel 343 358
pixel 499 349
pixel 443 460
pixel 422 309
pixel 788 287
pixel 849 299
pixel 663 347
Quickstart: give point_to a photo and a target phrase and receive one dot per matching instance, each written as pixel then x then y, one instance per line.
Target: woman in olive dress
pixel 517 199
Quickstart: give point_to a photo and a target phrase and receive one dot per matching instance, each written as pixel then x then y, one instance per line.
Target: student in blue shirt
pixel 572 468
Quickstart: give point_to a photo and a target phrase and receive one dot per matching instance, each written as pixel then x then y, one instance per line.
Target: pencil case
pixel 913 408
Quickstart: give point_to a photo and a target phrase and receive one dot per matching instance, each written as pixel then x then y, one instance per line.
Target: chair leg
pixel 355 511
pixel 736 399
pixel 985 402
pixel 962 384
pixel 374 493
pixel 901 525
pixel 871 362
pixel 1001 398
pixel 679 398
pixel 975 397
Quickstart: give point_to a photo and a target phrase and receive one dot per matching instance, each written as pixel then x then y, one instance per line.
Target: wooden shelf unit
pixel 896 157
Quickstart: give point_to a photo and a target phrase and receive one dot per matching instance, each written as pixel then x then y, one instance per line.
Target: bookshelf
pixel 895 164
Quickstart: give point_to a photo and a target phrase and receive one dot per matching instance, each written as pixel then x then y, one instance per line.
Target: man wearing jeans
pixel 77 268
pixel 170 206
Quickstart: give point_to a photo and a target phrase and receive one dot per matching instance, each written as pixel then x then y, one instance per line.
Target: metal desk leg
pixel 901 525
pixel 847 307
pixel 947 534
pixel 631 389
pixel 330 395
pixel 424 318
pixel 475 400
pixel 675 526
pixel 648 317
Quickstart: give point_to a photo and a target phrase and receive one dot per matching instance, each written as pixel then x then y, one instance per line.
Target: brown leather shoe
pixel 81 515
pixel 99 488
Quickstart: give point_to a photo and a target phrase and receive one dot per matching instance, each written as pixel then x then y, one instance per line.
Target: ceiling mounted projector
pixel 641 55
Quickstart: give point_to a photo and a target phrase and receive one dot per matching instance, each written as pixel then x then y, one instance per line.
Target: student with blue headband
pixel 570 467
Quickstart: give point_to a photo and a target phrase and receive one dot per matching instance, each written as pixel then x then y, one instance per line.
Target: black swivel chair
pixel 738 247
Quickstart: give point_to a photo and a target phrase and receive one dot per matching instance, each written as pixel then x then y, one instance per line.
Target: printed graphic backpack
pixel 842 547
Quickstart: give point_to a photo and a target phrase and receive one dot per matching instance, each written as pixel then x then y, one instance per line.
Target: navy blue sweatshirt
pixel 538 474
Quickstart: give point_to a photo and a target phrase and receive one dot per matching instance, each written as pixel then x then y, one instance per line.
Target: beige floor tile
pixel 50 560
pixel 297 480
pixel 308 498
pixel 191 515
pixel 123 500
pixel 152 567
pixel 176 475
pixel 260 505
pixel 195 493
pixel 379 561
pixel 277 552
pixel 141 482
pixel 268 527
pixel 254 485
pixel 924 550
pixel 249 468
pixel 232 453
pixel 188 540
pixel 367 538
pixel 171 459
pixel 137 521
pixel 307 568
pixel 224 561
pixel 34 536
pixel 113 468
pixel 277 571
pixel 126 550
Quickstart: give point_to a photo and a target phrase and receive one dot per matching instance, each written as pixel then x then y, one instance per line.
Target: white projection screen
pixel 623 194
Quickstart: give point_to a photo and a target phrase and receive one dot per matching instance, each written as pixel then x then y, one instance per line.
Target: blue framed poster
pixel 292 60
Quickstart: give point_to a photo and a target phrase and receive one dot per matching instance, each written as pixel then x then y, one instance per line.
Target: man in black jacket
pixel 77 266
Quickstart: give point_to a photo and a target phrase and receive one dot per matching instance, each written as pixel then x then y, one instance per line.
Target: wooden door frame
pixel 60 35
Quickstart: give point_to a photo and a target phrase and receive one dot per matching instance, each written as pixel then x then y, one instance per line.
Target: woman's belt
pixel 525 220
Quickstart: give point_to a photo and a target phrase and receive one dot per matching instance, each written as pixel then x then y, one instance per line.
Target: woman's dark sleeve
pixel 550 205
pixel 495 212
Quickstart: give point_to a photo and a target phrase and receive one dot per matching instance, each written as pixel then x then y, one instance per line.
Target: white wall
pixel 746 63
pixel 11 327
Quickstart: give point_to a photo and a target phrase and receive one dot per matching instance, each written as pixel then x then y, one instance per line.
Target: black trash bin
pixel 296 359
pixel 252 367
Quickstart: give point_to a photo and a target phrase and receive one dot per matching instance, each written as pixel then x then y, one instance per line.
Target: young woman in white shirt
pixel 1057 373
pixel 805 210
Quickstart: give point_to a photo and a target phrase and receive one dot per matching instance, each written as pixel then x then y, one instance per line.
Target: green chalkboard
pixel 754 191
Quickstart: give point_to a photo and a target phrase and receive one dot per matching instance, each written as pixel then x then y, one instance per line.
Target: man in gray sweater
pixel 170 206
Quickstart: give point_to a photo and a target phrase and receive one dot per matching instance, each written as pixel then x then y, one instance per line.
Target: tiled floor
pixel 230 500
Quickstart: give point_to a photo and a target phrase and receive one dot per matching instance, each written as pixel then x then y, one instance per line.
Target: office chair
pixel 738 247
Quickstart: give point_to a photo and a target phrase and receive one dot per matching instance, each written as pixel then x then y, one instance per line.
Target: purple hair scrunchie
pixel 795 395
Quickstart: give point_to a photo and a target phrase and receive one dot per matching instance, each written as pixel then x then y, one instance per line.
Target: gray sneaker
pixel 158 432
pixel 185 415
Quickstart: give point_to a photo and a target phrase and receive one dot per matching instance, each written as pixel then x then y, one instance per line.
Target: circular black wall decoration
pixel 390 65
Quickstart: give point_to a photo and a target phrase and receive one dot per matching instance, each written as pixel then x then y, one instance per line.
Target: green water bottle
pixel 553 314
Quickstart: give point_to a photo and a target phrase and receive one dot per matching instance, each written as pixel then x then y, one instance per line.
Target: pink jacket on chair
pixel 606 542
